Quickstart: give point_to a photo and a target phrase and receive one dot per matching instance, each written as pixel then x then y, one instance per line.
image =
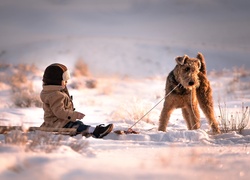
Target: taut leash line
pixel 153 107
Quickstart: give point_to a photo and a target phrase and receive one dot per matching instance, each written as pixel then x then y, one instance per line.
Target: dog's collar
pixel 175 81
pixel 180 90
pixel 180 85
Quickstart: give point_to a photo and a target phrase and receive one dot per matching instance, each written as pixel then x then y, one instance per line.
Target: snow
pixel 129 47
pixel 178 153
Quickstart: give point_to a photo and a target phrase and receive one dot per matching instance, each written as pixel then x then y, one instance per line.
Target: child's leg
pixel 80 127
pixel 98 132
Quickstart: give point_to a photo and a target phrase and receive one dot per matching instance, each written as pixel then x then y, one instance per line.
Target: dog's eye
pixel 187 69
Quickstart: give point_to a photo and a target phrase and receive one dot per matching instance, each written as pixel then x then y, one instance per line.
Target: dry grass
pixel 239 82
pixel 43 141
pixel 91 83
pixel 81 68
pixel 23 94
pixel 107 90
pixel 233 121
pixel 16 137
pixel 19 79
pixel 132 110
pixel 82 76
pixel 234 85
pixel 25 99
pixel 40 141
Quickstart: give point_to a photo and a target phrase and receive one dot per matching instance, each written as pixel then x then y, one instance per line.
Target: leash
pixel 153 107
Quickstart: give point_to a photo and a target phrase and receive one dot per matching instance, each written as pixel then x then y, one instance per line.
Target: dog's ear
pixel 201 58
pixel 181 59
pixel 199 64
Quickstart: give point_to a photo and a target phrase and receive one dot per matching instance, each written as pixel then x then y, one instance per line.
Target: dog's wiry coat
pixel 193 88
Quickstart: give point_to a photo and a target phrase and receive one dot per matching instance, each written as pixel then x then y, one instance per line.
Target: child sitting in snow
pixel 58 106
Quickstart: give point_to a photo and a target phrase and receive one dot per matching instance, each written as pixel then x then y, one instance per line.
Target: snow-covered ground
pixel 178 153
pixel 129 47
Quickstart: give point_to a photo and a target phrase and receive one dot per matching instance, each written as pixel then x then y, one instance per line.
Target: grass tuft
pixel 233 121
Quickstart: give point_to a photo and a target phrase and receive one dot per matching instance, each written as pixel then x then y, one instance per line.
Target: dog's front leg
pixel 167 109
pixel 186 116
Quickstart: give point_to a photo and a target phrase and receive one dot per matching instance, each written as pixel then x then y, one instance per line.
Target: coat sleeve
pixel 57 105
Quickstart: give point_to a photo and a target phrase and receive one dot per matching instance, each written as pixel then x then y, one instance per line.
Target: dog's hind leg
pixel 205 99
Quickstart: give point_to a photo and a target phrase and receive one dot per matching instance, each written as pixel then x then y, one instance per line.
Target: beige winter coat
pixel 58 106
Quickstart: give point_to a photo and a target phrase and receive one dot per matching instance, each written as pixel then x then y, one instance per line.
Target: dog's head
pixel 186 71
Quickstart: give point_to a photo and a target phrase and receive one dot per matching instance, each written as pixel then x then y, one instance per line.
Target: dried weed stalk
pixel 40 141
pixel 234 121
pixel 133 110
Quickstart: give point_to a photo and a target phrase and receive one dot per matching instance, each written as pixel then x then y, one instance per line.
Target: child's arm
pixel 63 109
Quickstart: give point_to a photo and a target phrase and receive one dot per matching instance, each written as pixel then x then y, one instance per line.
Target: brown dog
pixel 192 87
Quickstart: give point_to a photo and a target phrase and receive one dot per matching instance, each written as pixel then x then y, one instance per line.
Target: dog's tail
pixel 203 68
